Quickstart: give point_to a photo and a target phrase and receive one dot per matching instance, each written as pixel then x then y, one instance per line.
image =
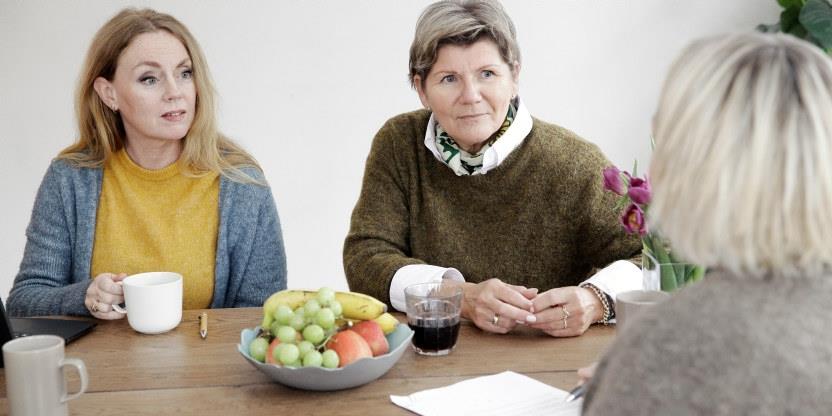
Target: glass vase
pixel 668 275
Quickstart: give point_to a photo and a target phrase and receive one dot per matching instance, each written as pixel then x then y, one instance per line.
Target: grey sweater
pixel 55 271
pixel 726 346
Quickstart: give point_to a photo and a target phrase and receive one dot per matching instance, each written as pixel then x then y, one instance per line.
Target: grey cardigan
pixel 729 345
pixel 55 271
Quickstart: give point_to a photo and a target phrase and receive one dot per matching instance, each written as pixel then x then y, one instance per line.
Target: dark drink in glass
pixel 433 315
pixel 435 327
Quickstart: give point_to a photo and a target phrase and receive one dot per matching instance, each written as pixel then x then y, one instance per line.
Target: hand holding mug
pixel 103 292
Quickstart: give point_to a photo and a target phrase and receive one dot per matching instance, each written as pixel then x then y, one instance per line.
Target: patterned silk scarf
pixel 460 161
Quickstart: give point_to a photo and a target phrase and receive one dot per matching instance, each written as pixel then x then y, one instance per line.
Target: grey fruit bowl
pixel 356 374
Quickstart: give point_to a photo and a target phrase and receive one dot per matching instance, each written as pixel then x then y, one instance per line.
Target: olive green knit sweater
pixel 540 219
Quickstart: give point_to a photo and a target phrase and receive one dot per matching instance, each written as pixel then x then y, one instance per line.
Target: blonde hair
pixel 742 170
pixel 101 132
pixel 460 22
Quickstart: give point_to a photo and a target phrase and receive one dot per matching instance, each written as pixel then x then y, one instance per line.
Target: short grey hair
pixel 460 22
pixel 742 169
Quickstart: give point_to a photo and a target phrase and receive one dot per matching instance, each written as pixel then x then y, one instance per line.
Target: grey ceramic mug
pixel 630 304
pixel 35 383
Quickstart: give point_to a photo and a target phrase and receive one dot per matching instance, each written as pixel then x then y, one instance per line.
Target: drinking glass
pixel 433 314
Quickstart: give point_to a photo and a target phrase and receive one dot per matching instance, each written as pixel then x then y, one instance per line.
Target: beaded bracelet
pixel 605 303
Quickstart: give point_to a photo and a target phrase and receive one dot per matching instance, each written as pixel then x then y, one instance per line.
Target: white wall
pixel 305 85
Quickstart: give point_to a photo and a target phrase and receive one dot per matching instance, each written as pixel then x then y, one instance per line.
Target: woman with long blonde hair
pixel 150 184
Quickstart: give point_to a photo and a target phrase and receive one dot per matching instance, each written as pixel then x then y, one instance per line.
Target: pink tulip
pixel 612 180
pixel 639 190
pixel 633 220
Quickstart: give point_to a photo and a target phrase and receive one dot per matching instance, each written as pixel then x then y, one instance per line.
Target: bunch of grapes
pixel 298 338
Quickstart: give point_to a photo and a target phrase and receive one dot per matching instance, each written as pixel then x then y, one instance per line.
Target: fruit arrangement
pixel 321 328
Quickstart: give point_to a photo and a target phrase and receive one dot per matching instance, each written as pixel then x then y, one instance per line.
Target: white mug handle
pixel 82 371
pixel 119 309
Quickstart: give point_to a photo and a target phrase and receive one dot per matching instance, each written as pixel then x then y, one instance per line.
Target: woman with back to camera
pixel 475 191
pixel 742 180
pixel 150 184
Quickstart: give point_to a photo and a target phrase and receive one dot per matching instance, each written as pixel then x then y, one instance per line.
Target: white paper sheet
pixel 503 394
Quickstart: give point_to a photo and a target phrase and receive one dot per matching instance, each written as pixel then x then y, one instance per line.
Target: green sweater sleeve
pixel 377 244
pixel 605 240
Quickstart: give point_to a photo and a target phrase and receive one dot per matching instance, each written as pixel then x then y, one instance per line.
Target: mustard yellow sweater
pixel 158 220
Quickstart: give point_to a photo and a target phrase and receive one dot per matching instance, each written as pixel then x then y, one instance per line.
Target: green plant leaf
pixel 789 18
pixel 816 17
pixel 791 3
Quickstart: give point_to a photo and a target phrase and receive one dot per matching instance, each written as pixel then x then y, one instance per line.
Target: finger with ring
pixel 495 319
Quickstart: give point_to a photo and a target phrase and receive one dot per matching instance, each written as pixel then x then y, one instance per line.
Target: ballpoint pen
pixel 203 325
pixel 576 393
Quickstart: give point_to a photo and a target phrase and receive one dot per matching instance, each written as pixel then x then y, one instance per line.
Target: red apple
pixel 349 346
pixel 372 333
pixel 270 352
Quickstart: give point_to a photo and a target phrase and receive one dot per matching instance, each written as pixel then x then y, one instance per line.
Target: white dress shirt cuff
pixel 418 273
pixel 618 277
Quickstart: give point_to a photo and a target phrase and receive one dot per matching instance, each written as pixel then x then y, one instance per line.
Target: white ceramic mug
pixel 153 301
pixel 35 383
pixel 630 304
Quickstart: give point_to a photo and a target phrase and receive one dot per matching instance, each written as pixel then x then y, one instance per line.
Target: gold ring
pixel 495 319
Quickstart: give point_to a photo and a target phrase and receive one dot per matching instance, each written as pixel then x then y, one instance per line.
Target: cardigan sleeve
pixel 43 285
pixel 377 244
pixel 256 256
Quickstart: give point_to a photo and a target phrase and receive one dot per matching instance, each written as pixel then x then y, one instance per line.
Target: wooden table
pixel 180 373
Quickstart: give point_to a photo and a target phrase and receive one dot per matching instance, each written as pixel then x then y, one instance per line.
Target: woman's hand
pixel 586 373
pixel 566 311
pixel 495 306
pixel 104 291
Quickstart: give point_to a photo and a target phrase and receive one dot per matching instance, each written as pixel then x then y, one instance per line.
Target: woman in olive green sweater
pixel 477 192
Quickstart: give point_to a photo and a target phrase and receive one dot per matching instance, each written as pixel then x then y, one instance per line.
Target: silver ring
pixel 564 323
pixel 95 306
pixel 495 319
pixel 565 312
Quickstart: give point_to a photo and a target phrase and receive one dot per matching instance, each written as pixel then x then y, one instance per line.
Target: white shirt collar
pixel 499 151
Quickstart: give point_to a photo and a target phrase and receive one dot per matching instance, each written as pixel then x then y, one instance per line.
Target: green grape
pixel 325 296
pixel 297 322
pixel 274 327
pixel 283 314
pixel 336 308
pixel 312 359
pixel 257 349
pixel 296 364
pixel 288 354
pixel 314 334
pixel 276 352
pixel 312 307
pixel 330 359
pixel 304 347
pixel 287 334
pixel 325 318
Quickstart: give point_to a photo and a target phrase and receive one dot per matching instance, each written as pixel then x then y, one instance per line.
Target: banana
pixel 356 306
pixel 387 322
pixel 360 306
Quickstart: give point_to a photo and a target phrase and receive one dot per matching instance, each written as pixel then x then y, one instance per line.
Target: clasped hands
pixel 495 306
